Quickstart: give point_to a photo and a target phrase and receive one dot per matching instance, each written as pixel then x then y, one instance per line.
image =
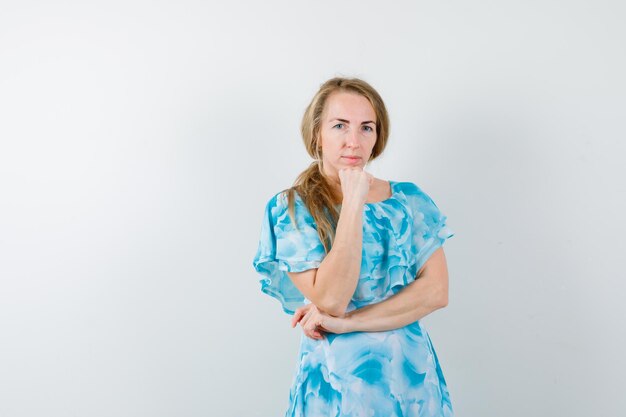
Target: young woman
pixel 357 261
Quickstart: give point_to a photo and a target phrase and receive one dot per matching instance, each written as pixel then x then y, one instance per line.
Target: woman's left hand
pixel 314 322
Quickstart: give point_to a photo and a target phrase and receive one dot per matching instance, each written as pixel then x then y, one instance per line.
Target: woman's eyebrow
pixel 346 121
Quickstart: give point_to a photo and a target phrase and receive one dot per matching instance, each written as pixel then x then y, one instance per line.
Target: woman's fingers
pixel 316 333
pixel 310 319
pixel 311 326
pixel 297 315
pixel 309 323
pixel 304 320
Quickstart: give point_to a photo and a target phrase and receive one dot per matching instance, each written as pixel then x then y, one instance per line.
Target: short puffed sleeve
pixel 430 230
pixel 283 248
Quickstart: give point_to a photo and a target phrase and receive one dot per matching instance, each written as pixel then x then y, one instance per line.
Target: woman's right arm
pixel 331 286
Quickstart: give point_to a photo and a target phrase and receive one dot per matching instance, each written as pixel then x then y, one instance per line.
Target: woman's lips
pixel 351 160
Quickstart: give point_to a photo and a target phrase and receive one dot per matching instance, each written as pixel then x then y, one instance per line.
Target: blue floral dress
pixel 389 373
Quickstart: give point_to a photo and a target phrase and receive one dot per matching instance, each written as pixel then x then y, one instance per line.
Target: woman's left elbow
pixel 442 298
pixel 443 303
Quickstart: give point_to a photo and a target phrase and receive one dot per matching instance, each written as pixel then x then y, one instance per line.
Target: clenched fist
pixel 355 185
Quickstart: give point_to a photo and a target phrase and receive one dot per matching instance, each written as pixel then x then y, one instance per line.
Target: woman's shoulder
pixel 277 207
pixel 414 193
pixel 406 187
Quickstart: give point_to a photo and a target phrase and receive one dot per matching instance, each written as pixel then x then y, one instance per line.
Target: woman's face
pixel 348 128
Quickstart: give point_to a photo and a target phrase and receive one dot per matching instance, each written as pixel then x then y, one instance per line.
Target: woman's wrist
pixel 352 206
pixel 350 322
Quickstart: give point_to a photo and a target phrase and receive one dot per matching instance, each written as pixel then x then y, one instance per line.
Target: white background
pixel 140 141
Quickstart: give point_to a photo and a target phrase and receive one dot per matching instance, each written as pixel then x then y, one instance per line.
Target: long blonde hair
pixel 312 184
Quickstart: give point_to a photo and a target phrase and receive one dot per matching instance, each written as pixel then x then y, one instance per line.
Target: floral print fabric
pixel 388 373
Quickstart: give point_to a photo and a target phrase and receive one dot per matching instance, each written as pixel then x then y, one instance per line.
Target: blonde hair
pixel 312 184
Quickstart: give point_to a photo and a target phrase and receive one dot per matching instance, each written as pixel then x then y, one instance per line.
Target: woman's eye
pixel 338 124
pixel 368 128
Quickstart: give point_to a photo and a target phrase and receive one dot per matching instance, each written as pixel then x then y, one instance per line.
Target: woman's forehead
pixel 349 106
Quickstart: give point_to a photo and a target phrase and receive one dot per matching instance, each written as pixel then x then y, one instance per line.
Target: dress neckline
pixel 392 185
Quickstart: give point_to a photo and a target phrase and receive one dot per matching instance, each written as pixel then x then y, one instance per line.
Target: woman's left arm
pixel 419 298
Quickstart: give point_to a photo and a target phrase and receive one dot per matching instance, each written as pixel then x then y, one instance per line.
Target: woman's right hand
pixel 355 185
pixel 315 322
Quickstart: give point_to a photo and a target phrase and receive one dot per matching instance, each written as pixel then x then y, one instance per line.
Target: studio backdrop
pixel 140 142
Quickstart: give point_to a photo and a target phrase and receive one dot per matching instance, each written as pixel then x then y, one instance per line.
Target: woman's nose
pixel 352 139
